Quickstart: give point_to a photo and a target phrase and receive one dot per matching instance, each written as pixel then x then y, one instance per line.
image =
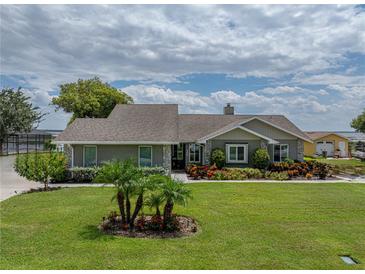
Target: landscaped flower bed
pixel 150 226
pixel 275 171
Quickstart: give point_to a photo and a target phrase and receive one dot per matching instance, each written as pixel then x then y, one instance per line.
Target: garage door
pixel 325 146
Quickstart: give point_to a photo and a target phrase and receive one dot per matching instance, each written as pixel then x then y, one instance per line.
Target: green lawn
pixel 243 226
pixel 352 166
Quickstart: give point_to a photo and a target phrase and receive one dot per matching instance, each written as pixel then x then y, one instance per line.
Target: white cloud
pixel 48 45
pixel 59 43
pixel 299 107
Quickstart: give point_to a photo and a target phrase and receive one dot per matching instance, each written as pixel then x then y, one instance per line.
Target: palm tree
pixel 123 176
pixel 141 185
pixel 174 192
pixel 154 201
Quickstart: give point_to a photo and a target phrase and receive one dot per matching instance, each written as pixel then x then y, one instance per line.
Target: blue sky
pixel 304 61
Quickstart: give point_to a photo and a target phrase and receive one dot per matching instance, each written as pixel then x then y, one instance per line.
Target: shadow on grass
pixel 91 232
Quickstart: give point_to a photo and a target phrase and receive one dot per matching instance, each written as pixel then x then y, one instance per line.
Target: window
pixel 145 156
pixel 90 156
pixel 180 152
pixel 194 153
pixel 281 152
pixel 236 153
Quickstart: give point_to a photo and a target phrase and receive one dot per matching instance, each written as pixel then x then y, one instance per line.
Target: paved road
pixel 10 182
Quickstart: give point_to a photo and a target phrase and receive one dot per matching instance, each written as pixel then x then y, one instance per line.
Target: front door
pixel 178 156
pixel 342 148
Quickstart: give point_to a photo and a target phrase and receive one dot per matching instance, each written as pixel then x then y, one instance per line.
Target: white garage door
pixel 325 146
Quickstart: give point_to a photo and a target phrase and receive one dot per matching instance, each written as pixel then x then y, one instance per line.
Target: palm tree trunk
pixel 167 212
pixel 158 213
pixel 120 197
pixel 139 204
pixel 128 208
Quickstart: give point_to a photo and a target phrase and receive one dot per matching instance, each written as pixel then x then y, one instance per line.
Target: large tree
pixel 17 114
pixel 89 98
pixel 359 122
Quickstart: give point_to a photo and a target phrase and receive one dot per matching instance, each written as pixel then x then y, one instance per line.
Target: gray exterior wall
pixel 237 134
pixel 120 152
pixel 269 131
pixel 252 146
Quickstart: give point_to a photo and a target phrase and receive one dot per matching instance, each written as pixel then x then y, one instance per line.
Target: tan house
pixel 330 143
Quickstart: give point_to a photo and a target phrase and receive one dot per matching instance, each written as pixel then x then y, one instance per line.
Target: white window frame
pixel 199 156
pixel 245 154
pixel 281 157
pixel 139 154
pixel 96 154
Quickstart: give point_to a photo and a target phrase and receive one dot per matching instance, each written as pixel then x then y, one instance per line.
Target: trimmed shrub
pixel 83 174
pixel 289 161
pixel 261 158
pixel 278 176
pixel 252 173
pixel 236 174
pixel 218 158
pixel 42 167
pixel 157 170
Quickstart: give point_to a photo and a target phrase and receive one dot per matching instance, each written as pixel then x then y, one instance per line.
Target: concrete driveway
pixel 10 182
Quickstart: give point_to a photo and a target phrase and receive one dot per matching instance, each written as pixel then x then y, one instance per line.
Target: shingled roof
pixel 314 135
pixel 145 123
pixel 159 123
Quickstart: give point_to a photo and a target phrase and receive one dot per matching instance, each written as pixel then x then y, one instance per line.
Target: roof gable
pixel 315 135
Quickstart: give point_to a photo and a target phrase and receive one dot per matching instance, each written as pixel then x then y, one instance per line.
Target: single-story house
pixel 330 143
pixel 157 135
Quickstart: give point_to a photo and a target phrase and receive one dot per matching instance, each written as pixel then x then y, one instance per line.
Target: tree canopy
pixel 359 122
pixel 89 98
pixel 17 113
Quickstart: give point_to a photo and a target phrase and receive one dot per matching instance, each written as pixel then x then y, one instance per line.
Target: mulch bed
pixel 41 189
pixel 186 227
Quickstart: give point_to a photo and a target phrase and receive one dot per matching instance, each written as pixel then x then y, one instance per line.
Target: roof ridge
pixel 218 114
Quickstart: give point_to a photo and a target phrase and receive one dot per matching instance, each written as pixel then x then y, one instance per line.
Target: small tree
pixel 261 158
pixel 218 157
pixel 359 122
pixel 129 182
pixel 17 114
pixel 89 98
pixel 42 167
pixel 122 175
pixel 154 201
pixel 174 192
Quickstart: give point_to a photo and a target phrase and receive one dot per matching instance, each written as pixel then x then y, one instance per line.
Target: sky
pixel 303 61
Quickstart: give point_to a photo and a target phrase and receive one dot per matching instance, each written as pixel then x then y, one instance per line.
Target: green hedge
pixel 87 174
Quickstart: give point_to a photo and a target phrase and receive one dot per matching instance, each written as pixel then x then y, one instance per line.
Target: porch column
pixel 166 151
pixel 68 151
pixel 207 152
pixel 300 150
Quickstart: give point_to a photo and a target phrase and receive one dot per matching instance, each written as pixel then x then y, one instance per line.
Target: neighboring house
pixel 157 135
pixel 331 143
pixel 353 136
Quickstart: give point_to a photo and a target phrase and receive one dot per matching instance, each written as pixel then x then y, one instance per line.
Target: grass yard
pixel 352 166
pixel 243 226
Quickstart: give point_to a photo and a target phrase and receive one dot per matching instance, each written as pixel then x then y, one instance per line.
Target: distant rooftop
pixel 353 135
